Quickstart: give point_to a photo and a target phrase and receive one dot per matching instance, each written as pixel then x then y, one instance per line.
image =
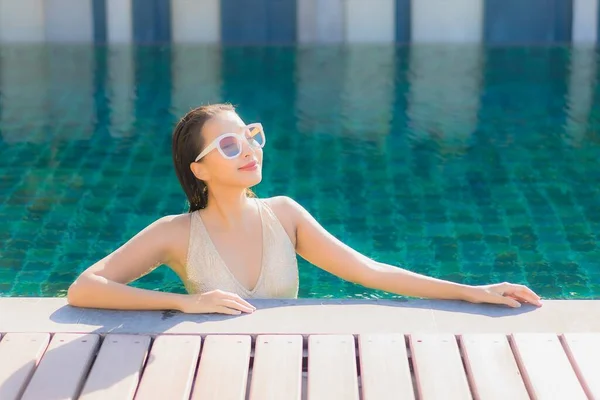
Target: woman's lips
pixel 251 166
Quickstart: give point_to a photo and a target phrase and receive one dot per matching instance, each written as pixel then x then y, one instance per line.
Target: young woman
pixel 231 246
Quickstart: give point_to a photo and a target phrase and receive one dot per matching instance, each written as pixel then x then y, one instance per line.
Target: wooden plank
pixel 385 370
pixel 115 373
pixel 583 350
pixel 492 368
pixel 332 372
pixel 170 368
pixel 223 368
pixel 439 372
pixel 545 367
pixel 20 353
pixel 63 367
pixel 277 371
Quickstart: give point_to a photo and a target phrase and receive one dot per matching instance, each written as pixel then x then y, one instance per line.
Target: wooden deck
pixel 52 351
pixel 328 367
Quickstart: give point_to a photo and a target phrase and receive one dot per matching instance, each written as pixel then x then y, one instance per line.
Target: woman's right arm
pixel 105 283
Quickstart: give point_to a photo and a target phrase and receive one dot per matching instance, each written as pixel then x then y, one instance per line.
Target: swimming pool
pixel 470 163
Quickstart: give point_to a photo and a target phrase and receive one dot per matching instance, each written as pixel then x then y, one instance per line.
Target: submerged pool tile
pixel 506 193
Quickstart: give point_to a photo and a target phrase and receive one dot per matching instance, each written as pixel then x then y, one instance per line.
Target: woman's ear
pixel 199 171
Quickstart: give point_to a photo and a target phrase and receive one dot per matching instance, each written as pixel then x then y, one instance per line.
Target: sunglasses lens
pixel 256 136
pixel 230 146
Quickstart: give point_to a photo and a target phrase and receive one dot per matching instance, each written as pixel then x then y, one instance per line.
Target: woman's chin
pixel 251 179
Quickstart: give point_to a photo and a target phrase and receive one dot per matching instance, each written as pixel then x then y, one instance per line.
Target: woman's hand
pixel 503 293
pixel 216 301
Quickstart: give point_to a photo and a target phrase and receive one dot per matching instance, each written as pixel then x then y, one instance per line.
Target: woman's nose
pixel 247 148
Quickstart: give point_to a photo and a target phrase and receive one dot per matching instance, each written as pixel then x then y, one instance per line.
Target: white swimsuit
pixel 206 270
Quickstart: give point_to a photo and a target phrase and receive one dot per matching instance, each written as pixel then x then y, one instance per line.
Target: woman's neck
pixel 228 206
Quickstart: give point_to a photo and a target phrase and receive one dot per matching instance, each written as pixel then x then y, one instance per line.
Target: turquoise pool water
pixel 467 163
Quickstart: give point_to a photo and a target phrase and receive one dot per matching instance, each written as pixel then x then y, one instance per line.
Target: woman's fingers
pixel 237 305
pixel 227 310
pixel 238 299
pixel 522 292
pixel 508 300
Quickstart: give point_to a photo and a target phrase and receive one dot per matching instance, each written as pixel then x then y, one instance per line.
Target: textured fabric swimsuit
pixel 207 271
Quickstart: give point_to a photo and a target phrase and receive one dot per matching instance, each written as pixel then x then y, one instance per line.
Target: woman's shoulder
pixel 287 210
pixel 284 205
pixel 173 221
pixel 174 231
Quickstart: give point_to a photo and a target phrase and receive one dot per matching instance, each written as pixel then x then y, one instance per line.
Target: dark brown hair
pixel 186 145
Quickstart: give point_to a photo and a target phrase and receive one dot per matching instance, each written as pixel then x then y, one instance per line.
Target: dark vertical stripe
pixel 258 21
pixel 151 21
pixel 531 21
pixel 102 120
pixel 99 20
pixel 403 21
pixel 564 21
pixel 281 26
pixel 598 27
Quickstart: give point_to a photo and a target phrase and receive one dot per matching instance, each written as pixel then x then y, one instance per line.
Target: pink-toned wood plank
pixel 545 366
pixel 332 372
pixel 63 367
pixel 492 367
pixel 223 368
pixel 277 370
pixel 438 367
pixel 583 350
pixel 115 373
pixel 20 353
pixel 170 368
pixel 384 368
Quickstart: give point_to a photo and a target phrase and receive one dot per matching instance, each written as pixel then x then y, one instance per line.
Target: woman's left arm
pixel 316 245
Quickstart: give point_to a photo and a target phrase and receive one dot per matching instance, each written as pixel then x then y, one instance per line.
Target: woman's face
pixel 245 169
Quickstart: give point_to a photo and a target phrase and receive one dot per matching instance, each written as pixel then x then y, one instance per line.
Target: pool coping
pixel 307 316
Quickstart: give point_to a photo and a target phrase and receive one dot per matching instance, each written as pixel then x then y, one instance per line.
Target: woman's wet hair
pixel 187 143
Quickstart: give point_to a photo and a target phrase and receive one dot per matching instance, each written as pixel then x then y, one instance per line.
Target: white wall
pixel 585 21
pixel 447 21
pixel 22 21
pixel 119 25
pixel 320 21
pixel 196 21
pixel 69 20
pixel 369 21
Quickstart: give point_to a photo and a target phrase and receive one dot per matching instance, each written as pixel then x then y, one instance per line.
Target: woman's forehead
pixel 226 122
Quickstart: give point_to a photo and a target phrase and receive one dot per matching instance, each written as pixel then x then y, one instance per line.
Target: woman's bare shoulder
pixel 175 228
pixel 284 208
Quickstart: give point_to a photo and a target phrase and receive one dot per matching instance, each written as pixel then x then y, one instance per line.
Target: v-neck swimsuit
pixel 206 270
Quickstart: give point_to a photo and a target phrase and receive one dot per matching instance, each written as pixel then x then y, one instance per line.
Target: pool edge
pixel 307 316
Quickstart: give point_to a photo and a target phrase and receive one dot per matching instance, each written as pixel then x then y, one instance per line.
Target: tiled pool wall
pixel 495 22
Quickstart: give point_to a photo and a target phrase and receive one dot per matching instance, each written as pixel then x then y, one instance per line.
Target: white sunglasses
pixel 230 144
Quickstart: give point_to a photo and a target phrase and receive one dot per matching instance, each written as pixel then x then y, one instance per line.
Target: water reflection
pixel 582 83
pixel 197 77
pixel 445 91
pixel 121 90
pixel 368 92
pixel 24 92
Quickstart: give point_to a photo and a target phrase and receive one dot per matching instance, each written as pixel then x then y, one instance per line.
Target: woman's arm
pixel 322 249
pixel 105 284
